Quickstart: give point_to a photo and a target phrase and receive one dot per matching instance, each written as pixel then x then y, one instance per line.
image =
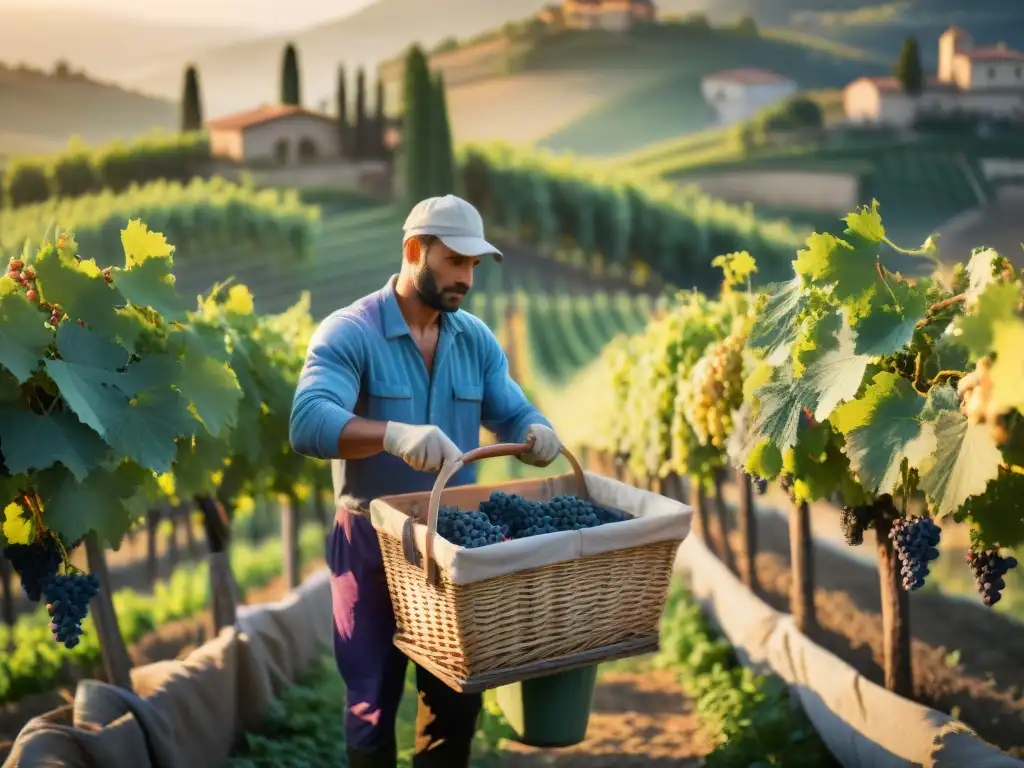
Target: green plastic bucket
pixel 550 711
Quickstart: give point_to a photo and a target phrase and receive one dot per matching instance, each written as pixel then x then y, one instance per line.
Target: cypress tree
pixel 361 145
pixel 416 112
pixel 290 88
pixel 441 141
pixel 191 107
pixel 344 134
pixel 908 67
pixel 380 122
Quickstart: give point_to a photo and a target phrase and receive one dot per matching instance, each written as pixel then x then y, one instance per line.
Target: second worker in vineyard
pixel 393 386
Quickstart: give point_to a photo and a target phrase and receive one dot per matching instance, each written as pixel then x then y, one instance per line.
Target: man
pixel 393 386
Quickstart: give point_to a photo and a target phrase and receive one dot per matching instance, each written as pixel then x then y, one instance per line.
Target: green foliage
pixel 37 664
pixel 752 717
pixel 191 103
pixel 201 217
pixel 361 130
pixel 676 232
pixel 443 173
pixel 416 131
pixel 908 68
pixel 82 171
pixel 291 88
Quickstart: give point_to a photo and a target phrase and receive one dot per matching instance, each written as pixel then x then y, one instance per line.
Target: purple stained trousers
pixel 373 668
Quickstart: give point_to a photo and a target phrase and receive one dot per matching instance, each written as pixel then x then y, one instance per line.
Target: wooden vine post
pixel 320 507
pixel 173 556
pixel 895 611
pixel 746 525
pixel 699 502
pixel 723 526
pixel 152 559
pixel 117 664
pixel 6 584
pixel 801 555
pixel 185 512
pixel 290 539
pixel 223 587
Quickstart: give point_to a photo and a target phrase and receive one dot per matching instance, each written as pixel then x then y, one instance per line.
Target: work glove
pixel 546 446
pixel 423 447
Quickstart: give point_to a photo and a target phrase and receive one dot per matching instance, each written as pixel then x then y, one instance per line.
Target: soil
pixel 174 640
pixel 983 687
pixel 639 720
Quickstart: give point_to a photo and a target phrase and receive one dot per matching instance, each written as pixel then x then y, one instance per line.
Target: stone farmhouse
pixel 611 15
pixel 277 134
pixel 985 80
pixel 738 94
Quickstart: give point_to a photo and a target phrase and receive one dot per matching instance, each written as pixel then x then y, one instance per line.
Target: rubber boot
pixel 385 756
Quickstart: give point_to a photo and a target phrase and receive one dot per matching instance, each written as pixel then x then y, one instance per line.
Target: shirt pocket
pixel 389 401
pixel 468 398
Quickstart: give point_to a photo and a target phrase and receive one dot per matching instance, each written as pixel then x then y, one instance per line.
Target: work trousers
pixel 374 669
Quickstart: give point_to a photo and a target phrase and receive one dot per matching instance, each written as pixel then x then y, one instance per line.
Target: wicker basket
pixel 584 603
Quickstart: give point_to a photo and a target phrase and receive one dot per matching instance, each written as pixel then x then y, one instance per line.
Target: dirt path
pixel 640 719
pixel 967 660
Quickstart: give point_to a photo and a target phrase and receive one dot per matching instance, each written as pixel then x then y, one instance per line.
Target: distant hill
pixel 40 111
pixel 106 45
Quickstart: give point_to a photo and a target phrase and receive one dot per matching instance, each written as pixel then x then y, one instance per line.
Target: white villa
pixel 987 80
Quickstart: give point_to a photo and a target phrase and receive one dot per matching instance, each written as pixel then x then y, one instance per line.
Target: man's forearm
pixel 361 438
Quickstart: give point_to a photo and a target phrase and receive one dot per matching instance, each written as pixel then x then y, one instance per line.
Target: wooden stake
pixel 801 555
pixel 224 590
pixel 899 677
pixel 152 562
pixel 290 539
pixel 6 584
pixel 723 525
pixel 699 502
pixel 746 523
pixel 117 664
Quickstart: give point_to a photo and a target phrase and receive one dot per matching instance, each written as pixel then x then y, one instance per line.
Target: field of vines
pixel 885 409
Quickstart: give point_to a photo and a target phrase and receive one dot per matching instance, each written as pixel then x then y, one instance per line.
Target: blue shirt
pixel 362 361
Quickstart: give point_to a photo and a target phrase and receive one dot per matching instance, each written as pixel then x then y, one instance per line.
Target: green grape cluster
pixel 716 390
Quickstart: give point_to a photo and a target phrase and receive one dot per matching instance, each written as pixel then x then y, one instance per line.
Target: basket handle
pixel 498 450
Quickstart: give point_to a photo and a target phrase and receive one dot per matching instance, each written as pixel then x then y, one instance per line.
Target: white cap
pixel 454 222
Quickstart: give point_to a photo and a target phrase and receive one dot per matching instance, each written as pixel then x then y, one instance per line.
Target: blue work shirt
pixel 362 361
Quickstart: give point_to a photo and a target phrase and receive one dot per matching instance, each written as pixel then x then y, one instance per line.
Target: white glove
pixel 546 446
pixel 423 447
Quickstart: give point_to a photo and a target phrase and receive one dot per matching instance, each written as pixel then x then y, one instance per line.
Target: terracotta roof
pixel 747 76
pixel 993 53
pixel 264 114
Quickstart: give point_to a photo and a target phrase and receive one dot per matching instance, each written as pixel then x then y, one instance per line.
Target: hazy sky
pixel 266 14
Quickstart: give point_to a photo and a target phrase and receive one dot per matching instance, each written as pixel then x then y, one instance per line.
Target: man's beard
pixel 438 299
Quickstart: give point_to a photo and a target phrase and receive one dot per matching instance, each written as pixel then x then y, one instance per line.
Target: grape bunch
pixel 760 485
pixel 26 275
pixel 467 529
pixel 854 522
pixel 716 390
pixel 67 601
pixel 36 563
pixel 917 541
pixel 975 391
pixel 989 567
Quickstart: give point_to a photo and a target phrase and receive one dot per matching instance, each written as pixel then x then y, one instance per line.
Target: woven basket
pixel 525 623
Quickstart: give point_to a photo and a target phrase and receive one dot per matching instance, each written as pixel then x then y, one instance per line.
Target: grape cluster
pixel 506 516
pixel 67 601
pixel 18 271
pixel 760 485
pixel 467 529
pixel 975 391
pixel 36 563
pixel 989 567
pixel 854 522
pixel 917 541
pixel 716 390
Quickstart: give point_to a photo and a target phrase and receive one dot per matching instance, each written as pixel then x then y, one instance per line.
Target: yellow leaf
pixel 737 267
pixel 140 244
pixel 17 529
pixel 239 301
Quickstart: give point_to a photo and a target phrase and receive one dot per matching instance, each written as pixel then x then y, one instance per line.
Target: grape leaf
pixel 997 303
pixel 965 459
pixel 17 529
pixel 195 460
pixel 866 222
pixel 79 288
pixel 780 403
pixel 147 426
pixel 849 267
pixel 834 370
pixel 35 442
pixel 24 336
pixel 888 326
pixel 212 389
pixel 141 245
pixel 151 284
pixel 72 508
pixel 940 398
pixel 997 515
pixel 1007 370
pixel 882 429
pixel 775 328
pixel 10 389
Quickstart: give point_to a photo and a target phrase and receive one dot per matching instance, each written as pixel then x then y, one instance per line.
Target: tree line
pixel 427 149
pixel 362 133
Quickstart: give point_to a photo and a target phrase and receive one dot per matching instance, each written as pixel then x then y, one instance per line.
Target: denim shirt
pixel 362 361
